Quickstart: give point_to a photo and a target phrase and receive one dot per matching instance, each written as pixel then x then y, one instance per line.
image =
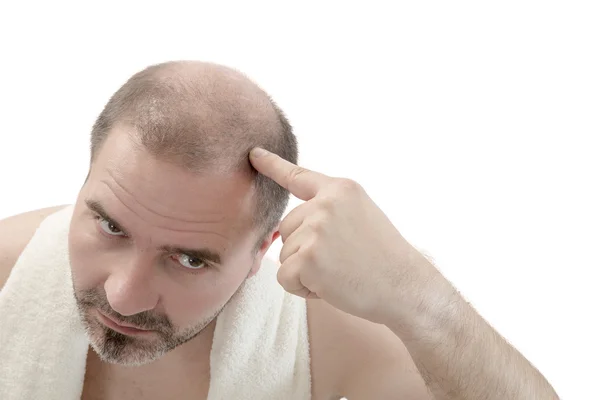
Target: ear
pixel 266 244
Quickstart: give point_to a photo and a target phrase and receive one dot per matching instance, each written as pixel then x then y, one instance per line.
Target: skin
pixel 119 269
pixel 380 320
pixel 349 356
pixel 124 214
pixel 341 248
pixel 383 322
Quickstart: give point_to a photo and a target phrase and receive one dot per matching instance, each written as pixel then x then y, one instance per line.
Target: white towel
pixel 260 348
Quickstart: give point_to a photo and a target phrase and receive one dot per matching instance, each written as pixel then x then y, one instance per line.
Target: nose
pixel 129 289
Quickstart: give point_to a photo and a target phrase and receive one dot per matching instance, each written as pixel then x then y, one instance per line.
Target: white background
pixel 474 126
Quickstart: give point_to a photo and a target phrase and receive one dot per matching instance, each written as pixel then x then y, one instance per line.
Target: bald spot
pixel 206 118
pixel 198 114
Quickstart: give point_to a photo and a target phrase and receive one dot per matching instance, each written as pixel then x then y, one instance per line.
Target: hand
pixel 338 245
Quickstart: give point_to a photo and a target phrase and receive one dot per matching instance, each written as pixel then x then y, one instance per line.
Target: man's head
pixel 172 218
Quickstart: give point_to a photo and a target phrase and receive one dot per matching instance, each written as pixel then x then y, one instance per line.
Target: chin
pixel 131 350
pixel 129 356
pixel 117 348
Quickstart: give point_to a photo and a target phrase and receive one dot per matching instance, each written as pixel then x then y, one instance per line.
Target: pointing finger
pixel 301 182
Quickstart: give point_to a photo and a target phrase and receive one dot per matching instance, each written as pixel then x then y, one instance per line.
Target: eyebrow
pixel 202 254
pixel 99 209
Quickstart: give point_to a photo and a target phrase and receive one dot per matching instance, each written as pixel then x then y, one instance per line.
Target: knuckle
pixel 283 256
pixel 308 252
pixel 348 186
pixel 315 226
pixel 285 229
pixel 283 276
pixel 329 203
pixel 281 280
pixel 342 190
pixel 296 172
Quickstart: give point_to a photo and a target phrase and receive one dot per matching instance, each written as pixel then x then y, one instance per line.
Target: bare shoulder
pixel 358 359
pixel 15 233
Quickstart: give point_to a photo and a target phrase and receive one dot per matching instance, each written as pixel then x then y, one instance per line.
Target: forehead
pixel 152 186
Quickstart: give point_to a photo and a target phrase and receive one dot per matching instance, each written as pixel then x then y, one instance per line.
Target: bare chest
pixel 105 384
pixel 95 388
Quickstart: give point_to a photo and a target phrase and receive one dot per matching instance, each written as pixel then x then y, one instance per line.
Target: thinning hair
pixel 204 117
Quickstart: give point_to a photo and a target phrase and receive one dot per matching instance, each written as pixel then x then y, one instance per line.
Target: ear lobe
pixel 257 263
pixel 268 242
pixel 276 235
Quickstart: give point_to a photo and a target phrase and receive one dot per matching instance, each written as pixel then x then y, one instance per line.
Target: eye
pixel 110 228
pixel 190 262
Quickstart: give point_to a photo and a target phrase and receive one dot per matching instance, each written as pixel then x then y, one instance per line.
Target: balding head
pixel 203 117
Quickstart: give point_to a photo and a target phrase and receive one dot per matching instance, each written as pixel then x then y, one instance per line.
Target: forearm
pixel 459 354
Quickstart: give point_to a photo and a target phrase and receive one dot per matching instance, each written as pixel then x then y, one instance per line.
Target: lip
pixel 125 329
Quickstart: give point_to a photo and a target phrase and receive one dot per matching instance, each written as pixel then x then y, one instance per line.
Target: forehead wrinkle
pixel 162 216
pixel 152 211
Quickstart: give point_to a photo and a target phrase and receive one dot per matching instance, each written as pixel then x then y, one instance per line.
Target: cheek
pixel 199 301
pixel 86 257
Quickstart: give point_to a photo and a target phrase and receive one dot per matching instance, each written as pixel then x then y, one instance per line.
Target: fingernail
pixel 258 152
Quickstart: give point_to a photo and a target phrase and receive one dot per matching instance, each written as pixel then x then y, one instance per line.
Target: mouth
pixel 125 329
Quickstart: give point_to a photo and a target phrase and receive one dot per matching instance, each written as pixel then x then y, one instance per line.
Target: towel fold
pixel 260 347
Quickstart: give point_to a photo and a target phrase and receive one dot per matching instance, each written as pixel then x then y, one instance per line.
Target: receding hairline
pixel 196 102
pixel 199 115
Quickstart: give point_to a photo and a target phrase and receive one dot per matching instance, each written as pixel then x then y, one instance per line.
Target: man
pixel 175 156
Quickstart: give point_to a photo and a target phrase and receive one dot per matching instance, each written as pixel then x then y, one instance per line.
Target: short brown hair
pixel 204 116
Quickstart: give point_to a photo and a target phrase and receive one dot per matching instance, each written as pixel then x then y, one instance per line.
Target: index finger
pixel 301 182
